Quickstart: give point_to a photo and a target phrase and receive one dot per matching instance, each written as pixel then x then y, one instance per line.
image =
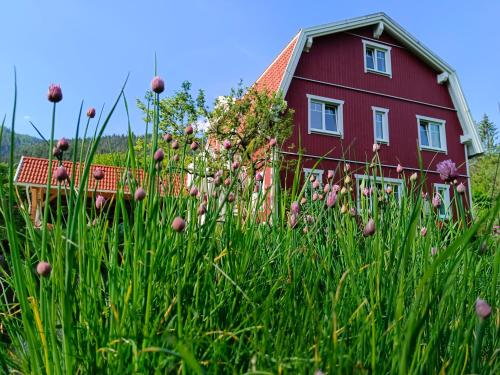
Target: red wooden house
pixel 367 80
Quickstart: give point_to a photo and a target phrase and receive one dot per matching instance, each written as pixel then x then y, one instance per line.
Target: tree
pixel 487 133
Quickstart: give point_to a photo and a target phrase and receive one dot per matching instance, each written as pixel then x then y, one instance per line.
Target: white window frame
pixel 363 177
pixel 385 125
pixel 318 173
pixel 340 115
pixel 442 134
pixel 380 47
pixel 445 200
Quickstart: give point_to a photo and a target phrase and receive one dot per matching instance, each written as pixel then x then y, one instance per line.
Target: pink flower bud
pixel 227 181
pixel 353 212
pixel 63 144
pixel 194 146
pixel 235 165
pixel 312 178
pixel 461 188
pixel 376 147
pixel 99 202
pixel 226 144
pixel 367 192
pixel 434 251
pixel 331 199
pixel 436 201
pixel 159 155
pixel 295 208
pixel 369 229
pixel 178 224
pixel 483 310
pixel 57 152
pixel 347 167
pixel 320 197
pixel 330 174
pixel 399 168
pixel 230 197
pixel 303 200
pixel 423 231
pixel 91 112
pixel 43 269
pixel 316 184
pixel 326 188
pixel 336 188
pixel 259 177
pixel 217 180
pixel 293 220
pixel 175 145
pixel 202 209
pixel 176 157
pixel 425 196
pixel 55 93
pixel 140 194
pixel 315 197
pixel 193 191
pixel 167 137
pixel 61 174
pixel 98 174
pixel 157 85
pixel 189 130
pixel 272 142
pixel 256 188
pixel 309 219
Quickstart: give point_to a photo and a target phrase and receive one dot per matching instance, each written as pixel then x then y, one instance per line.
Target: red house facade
pixel 367 81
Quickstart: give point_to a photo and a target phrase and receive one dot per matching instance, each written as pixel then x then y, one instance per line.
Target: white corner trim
pixel 309 43
pixel 340 115
pixel 385 125
pixel 442 133
pixel 379 29
pixel 442 78
pixel 18 169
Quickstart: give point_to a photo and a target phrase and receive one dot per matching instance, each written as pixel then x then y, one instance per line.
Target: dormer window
pixel 377 58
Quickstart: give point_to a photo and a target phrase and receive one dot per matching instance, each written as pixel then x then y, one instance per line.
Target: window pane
pixel 379 125
pixel 435 135
pixel 331 118
pixel 424 138
pixel 316 115
pixel 442 208
pixel 370 64
pixel 380 61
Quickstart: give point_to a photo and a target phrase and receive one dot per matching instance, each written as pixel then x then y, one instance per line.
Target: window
pixel 325 115
pixel 381 125
pixel 376 187
pixel 318 174
pixel 431 133
pixel 377 58
pixel 444 193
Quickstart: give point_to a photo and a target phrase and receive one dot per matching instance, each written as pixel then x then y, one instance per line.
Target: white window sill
pixel 325 132
pixel 382 141
pixel 432 149
pixel 385 74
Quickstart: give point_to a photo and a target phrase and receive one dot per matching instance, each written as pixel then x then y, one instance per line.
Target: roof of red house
pixel 273 76
pixel 33 172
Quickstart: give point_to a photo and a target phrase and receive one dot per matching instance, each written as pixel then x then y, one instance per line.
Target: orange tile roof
pixel 34 172
pixel 273 76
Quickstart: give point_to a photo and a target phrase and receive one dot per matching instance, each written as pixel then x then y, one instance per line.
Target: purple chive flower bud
pixel 226 144
pixel 202 209
pixel 61 174
pixel 423 231
pixel 176 157
pixel 140 194
pixel 63 144
pixel 43 269
pixel 178 224
pixel 483 310
pixel 330 174
pixel 293 220
pixel 436 201
pixel 336 188
pixel 434 251
pixel 295 208
pixel 193 191
pixel 91 112
pixel 316 184
pixel 57 152
pixel 230 197
pixel 157 85
pixel 227 181
pixel 320 197
pixel 309 219
pixel 461 188
pixel 272 142
pixel 194 146
pixel 159 155
pixel 55 94
pixel 189 130
pixel 99 202
pixel 375 147
pixel 369 229
pixel 235 165
pixel 175 144
pixel 315 197
pixel 331 199
pixel 259 177
pixel 312 178
pixel 447 170
pixel 167 137
pixel 326 188
pixel 98 174
pixel 399 168
pixel 367 192
pixel 303 200
pixel 217 180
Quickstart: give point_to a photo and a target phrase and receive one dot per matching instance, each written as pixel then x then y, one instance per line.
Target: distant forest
pixel 32 146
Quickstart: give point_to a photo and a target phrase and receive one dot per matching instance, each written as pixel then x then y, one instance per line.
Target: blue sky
pixel 90 46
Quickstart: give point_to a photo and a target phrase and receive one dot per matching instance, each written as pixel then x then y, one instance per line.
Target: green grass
pixel 237 295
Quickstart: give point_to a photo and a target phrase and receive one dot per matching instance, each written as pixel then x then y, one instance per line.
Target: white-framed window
pixel 381 125
pixel 326 115
pixel 431 133
pixel 443 191
pixel 377 58
pixel 376 188
pixel 317 173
